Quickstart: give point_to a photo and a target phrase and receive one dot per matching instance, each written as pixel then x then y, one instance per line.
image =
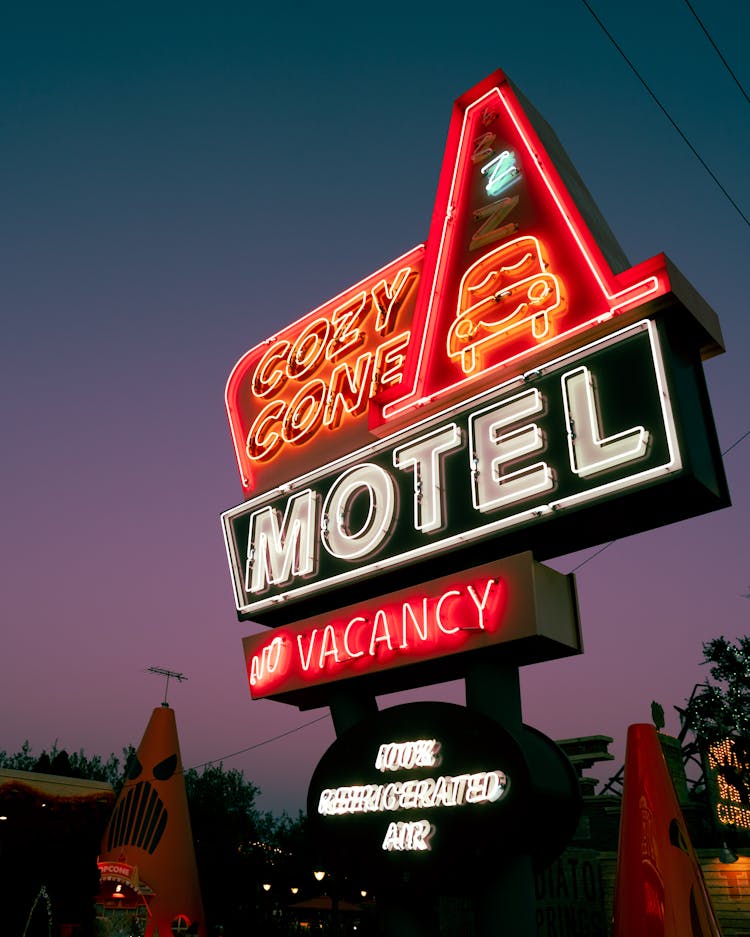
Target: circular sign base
pixel 433 792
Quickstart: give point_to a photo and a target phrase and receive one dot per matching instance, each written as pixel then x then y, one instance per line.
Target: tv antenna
pixel 162 671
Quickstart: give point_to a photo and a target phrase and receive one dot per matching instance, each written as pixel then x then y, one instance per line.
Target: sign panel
pixel 594 424
pixel 570 896
pixel 436 790
pixel 303 396
pixel 727 765
pixel 118 870
pixel 420 635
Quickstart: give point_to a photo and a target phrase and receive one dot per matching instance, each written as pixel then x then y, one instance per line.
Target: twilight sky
pixel 181 181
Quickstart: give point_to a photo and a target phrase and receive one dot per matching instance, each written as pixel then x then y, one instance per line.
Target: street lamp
pixel 319 875
pixel 266 886
pixel 727 856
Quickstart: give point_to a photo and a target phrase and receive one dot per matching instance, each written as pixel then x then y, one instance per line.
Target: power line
pixel 63 781
pixel 690 7
pixel 666 113
pixel 251 748
pixel 589 558
pixel 736 442
pixel 611 542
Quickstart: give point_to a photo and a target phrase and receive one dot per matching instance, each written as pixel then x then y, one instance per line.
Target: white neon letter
pixel 275 554
pixel 481 604
pixel 380 622
pixel 438 610
pixel 590 452
pixel 328 647
pixel 414 836
pixel 423 455
pixel 306 663
pixel 421 630
pixel 380 489
pixel 349 652
pixel 491 449
pixel 394 837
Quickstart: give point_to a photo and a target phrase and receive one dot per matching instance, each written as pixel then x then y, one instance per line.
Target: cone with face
pixel 149 835
pixel 660 888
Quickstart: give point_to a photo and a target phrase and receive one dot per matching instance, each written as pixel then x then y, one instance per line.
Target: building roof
pixel 53 787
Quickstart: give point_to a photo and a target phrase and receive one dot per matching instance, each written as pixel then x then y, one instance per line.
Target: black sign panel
pixel 438 792
pixel 606 441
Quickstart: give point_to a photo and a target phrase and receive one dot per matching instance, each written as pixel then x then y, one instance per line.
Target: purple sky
pixel 177 186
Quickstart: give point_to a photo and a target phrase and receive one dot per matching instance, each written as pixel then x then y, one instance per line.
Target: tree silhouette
pixel 722 708
pixel 719 715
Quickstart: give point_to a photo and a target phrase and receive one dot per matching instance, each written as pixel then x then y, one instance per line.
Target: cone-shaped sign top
pixel 519 263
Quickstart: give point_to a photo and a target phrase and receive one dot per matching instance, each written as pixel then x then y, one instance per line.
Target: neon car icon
pixel 504 290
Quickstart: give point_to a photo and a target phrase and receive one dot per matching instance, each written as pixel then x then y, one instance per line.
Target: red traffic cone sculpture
pixel 660 890
pixel 147 852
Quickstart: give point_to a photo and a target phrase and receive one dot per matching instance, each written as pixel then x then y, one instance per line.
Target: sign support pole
pixel 506 901
pixel 405 915
pixel 349 707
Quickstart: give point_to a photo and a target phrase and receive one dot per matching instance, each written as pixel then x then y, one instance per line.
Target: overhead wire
pixel 716 49
pixel 251 748
pixel 692 149
pixel 666 113
pixel 606 546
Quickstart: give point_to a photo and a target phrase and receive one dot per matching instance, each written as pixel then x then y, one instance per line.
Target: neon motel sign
pixel 511 383
pixel 514 270
pixel 508 465
pixel 510 389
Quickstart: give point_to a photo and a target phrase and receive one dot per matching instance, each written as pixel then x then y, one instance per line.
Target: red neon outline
pixel 619 292
pixel 247 366
pixel 428 374
pixel 463 612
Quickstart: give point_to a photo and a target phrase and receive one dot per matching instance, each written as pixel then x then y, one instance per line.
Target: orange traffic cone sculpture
pixel 147 849
pixel 660 890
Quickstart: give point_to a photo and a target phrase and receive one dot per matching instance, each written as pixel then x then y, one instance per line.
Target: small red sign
pixel 513 601
pixel 118 869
